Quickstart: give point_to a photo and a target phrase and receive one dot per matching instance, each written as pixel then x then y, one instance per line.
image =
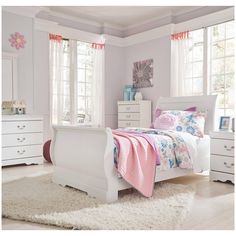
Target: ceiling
pixel 121 16
pixel 121 21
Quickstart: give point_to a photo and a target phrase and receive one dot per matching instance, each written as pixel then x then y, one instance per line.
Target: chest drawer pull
pixel 20 140
pixel 228 166
pixel 127 116
pixel 21 152
pixel 20 127
pixel 127 108
pixel 228 148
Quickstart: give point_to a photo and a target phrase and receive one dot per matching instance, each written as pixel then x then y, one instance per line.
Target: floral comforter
pixel 173 149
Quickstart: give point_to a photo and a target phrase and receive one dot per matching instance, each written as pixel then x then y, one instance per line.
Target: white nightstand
pixel 22 139
pixel 134 114
pixel 222 156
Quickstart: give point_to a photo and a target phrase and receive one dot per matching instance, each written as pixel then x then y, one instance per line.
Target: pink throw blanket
pixel 137 161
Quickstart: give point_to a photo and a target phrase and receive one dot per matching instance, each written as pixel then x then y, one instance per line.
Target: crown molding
pixel 140 37
pixel 73 18
pixel 71 33
pixel 28 11
pixel 206 20
pixel 196 23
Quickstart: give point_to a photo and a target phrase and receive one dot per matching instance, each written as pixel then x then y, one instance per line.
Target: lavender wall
pixel 160 51
pixel 114 82
pixel 33 64
pixel 12 23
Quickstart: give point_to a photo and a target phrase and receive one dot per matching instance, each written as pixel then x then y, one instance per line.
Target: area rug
pixel 39 200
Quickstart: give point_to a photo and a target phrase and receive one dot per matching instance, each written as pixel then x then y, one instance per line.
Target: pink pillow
pixel 184 121
pixel 170 120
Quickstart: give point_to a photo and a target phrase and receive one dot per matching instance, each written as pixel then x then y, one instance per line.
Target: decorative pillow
pixel 159 111
pixel 185 121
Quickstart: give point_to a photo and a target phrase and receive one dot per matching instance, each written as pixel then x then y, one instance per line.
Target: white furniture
pixel 134 114
pixel 22 139
pixel 222 156
pixel 9 76
pixel 83 157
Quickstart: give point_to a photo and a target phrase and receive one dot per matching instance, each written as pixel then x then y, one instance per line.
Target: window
pixel 209 65
pixel 77 79
pixel 221 66
pixel 193 78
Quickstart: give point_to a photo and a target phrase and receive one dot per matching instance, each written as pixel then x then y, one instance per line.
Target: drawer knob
pixel 127 116
pixel 21 127
pixel 228 148
pixel 20 140
pixel 228 166
pixel 128 124
pixel 21 152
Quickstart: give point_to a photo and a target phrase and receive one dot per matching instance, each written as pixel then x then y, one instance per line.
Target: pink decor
pixel 98 45
pixel 159 111
pixel 17 40
pixel 180 35
pixel 55 37
pixel 165 121
pixel 136 161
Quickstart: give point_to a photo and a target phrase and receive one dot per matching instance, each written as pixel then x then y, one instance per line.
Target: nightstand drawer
pixel 128 108
pixel 222 164
pixel 123 124
pixel 21 152
pixel 128 116
pixel 16 127
pixel 9 140
pixel 222 147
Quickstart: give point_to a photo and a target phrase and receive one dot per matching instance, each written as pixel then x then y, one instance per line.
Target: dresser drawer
pixel 122 124
pixel 15 127
pixel 128 116
pixel 128 108
pixel 21 152
pixel 222 147
pixel 9 140
pixel 222 164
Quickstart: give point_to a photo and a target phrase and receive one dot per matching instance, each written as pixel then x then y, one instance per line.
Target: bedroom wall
pixel 160 51
pixel 41 79
pixel 114 82
pixel 14 23
pixel 33 72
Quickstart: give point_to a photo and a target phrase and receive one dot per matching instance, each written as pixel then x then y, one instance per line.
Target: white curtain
pixel 179 60
pixel 57 103
pixel 98 111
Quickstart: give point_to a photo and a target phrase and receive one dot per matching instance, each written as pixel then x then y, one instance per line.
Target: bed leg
pixel 106 196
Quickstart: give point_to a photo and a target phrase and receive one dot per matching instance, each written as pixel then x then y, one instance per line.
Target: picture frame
pixel 224 123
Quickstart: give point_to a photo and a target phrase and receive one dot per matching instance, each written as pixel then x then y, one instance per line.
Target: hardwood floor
pixel 213 206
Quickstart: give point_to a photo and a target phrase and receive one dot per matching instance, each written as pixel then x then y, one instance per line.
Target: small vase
pixel 138 96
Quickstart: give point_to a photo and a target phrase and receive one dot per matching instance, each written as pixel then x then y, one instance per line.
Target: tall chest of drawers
pixel 222 156
pixel 22 139
pixel 134 114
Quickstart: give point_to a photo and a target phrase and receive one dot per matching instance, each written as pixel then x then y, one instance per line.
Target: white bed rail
pixel 83 158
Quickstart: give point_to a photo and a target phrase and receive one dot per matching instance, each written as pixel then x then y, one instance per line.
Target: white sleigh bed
pixel 83 157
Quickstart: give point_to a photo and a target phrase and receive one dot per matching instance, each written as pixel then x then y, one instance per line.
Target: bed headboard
pixel 203 103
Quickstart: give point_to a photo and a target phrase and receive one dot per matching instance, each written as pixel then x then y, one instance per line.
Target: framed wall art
pixel 143 74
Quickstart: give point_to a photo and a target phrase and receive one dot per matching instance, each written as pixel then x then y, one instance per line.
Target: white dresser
pixel 22 139
pixel 222 156
pixel 134 114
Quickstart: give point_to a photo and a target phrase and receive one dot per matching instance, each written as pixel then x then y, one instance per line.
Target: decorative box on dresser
pixel 134 114
pixel 22 139
pixel 222 156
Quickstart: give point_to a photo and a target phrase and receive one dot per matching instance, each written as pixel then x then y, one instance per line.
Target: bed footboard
pixel 83 159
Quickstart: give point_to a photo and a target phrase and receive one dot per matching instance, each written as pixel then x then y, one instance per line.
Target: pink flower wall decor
pixel 17 40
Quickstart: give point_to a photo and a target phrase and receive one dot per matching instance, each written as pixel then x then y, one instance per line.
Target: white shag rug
pixel 39 200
